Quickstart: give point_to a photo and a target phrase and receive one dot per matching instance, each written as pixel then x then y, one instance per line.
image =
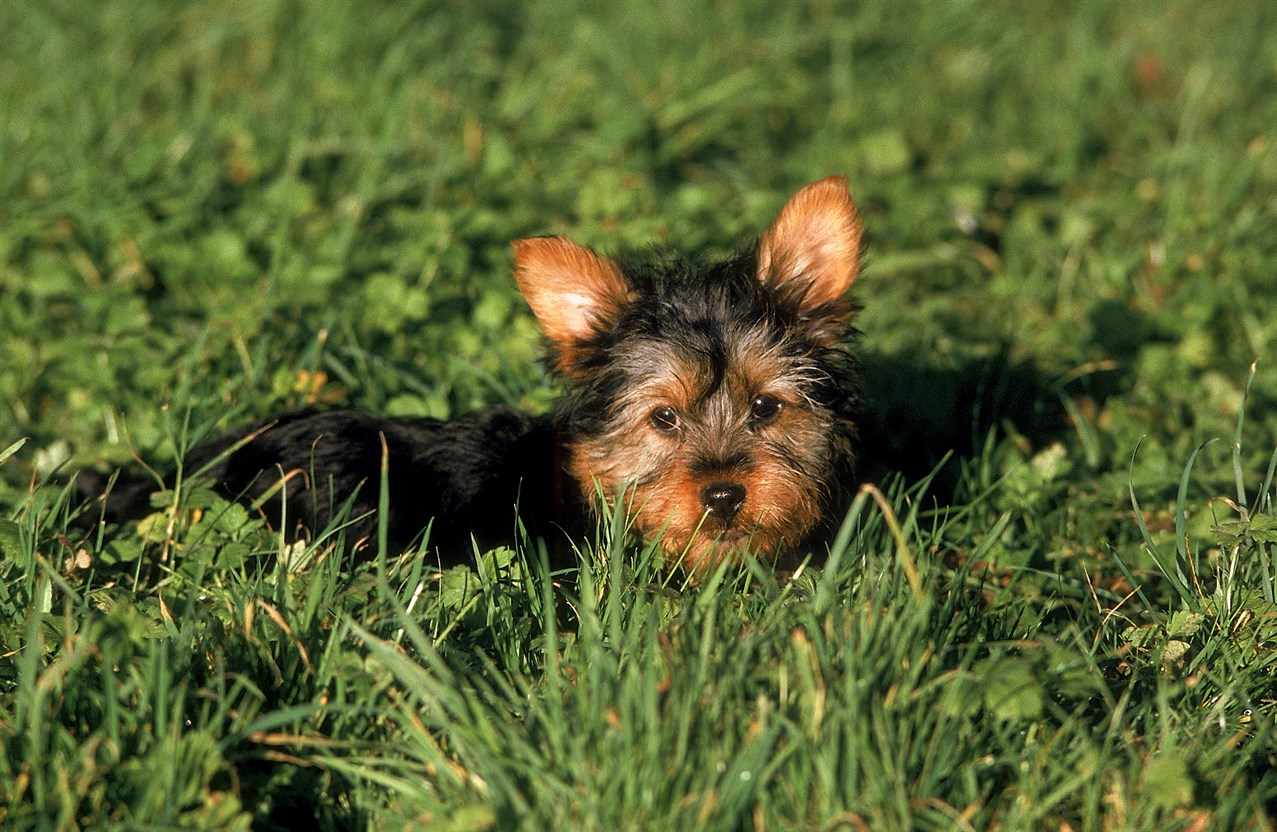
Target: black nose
pixel 723 499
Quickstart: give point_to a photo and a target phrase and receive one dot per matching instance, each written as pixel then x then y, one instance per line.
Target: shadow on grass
pixel 916 414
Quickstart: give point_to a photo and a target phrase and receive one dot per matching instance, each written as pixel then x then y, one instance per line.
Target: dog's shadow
pixel 917 416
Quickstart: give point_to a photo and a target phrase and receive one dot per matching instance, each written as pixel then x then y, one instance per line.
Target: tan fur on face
pixel 783 466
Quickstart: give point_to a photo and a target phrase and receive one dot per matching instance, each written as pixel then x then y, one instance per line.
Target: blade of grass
pixel 1178 585
pixel 1185 558
pixel 1237 442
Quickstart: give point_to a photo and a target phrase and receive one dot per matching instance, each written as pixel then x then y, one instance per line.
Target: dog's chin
pixel 701 552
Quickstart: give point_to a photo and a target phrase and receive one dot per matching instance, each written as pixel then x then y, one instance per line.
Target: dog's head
pixel 714 397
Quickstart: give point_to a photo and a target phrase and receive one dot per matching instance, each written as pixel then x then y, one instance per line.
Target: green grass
pixel 211 212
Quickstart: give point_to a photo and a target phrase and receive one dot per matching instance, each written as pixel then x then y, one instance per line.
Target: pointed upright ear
pixel 574 293
pixel 811 254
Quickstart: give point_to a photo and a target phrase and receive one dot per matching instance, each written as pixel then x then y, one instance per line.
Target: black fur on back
pixel 466 475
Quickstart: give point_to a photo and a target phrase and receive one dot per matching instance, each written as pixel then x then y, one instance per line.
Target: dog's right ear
pixel 574 293
pixel 811 255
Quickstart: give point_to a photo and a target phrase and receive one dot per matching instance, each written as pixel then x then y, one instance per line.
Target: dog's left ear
pixel 574 293
pixel 811 254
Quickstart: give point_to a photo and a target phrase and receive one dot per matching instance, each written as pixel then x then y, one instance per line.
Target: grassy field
pixel 211 212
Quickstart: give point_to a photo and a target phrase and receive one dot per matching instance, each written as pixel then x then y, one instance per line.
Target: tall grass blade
pixel 1237 441
pixel 1170 572
pixel 1185 556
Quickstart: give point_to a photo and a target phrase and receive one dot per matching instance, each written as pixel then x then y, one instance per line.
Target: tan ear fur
pixel 811 254
pixel 573 292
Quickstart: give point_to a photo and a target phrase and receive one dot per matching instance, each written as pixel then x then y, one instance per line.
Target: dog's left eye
pixel 664 419
pixel 764 410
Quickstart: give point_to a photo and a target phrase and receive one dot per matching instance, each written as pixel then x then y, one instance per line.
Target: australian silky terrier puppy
pixel 715 401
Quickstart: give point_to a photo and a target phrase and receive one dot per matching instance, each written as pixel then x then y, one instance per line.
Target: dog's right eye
pixel 764 410
pixel 664 419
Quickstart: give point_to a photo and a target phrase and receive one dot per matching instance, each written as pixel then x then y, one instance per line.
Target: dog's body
pixel 465 475
pixel 716 400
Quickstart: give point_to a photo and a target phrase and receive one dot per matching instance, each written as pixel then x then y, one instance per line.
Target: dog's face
pixel 714 399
